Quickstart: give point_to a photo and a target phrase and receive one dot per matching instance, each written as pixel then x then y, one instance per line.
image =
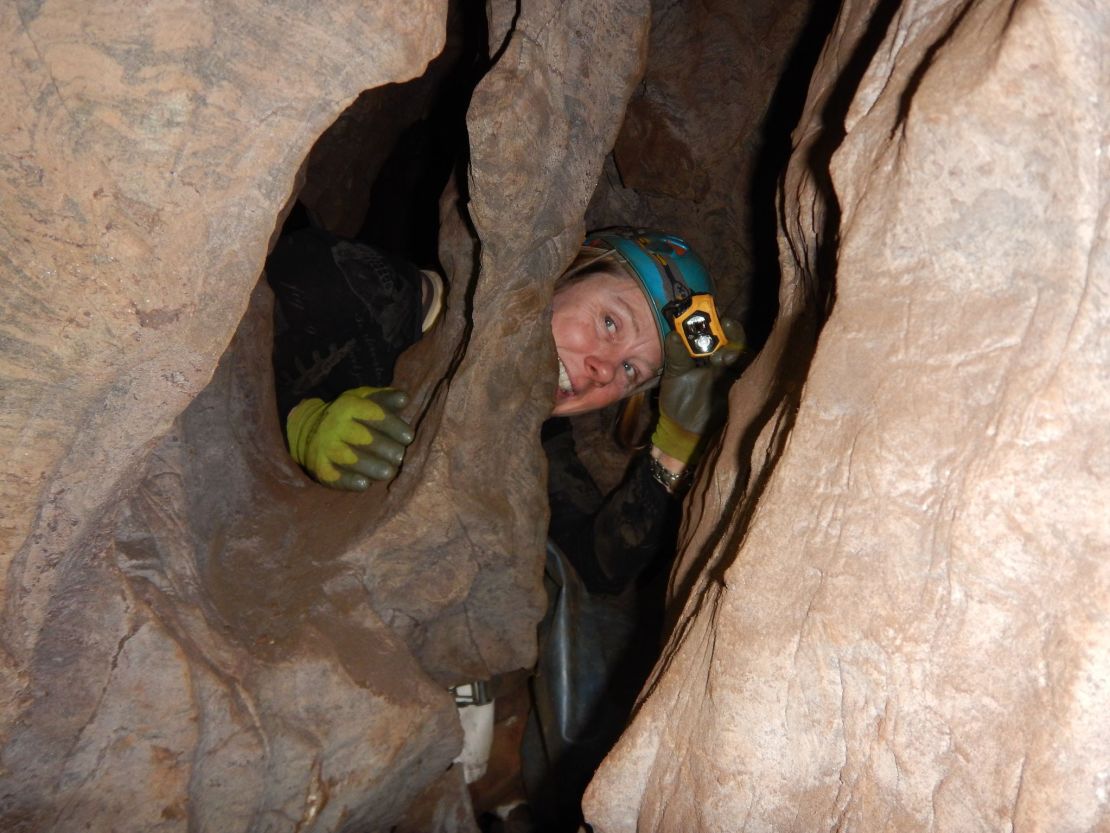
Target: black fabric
pixel 582 691
pixel 605 579
pixel 609 540
pixel 344 314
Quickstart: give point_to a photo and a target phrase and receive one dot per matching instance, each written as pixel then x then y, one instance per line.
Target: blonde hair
pixel 592 260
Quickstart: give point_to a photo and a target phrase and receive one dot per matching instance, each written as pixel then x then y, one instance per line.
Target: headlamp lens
pixel 699 326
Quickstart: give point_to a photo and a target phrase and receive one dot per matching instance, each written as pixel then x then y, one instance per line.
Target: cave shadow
pixel 403 203
pixel 403 212
pixel 818 276
pixel 403 215
pixel 775 148
pixel 558 762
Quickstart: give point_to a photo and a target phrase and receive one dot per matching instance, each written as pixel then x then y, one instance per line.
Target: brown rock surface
pixel 125 133
pixel 147 153
pixel 466 593
pixel 695 131
pixel 909 631
pixel 195 636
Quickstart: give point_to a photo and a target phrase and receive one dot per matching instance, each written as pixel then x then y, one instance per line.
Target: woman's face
pixel 606 340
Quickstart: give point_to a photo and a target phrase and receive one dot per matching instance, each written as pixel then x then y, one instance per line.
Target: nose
pixel 599 371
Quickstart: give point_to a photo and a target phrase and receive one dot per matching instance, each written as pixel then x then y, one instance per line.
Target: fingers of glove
pixel 361 422
pixel 389 398
pixel 357 439
pixel 734 332
pixel 374 467
pixel 727 356
pixel 341 466
pixel 353 405
pixel 676 358
pixel 390 427
pixel 737 344
pixel 381 445
pixel 383 435
pixel 374 408
pixel 324 464
pixel 351 481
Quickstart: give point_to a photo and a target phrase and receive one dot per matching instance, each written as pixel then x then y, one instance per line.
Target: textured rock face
pixel 195 636
pixel 907 631
pixel 910 630
pixel 699 129
pixel 148 152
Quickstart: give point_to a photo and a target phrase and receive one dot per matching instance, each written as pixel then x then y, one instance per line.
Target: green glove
pixel 691 397
pixel 349 442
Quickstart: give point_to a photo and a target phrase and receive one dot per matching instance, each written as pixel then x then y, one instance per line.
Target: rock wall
pixel 706 134
pixel 909 630
pixel 893 592
pixel 147 154
pixel 196 636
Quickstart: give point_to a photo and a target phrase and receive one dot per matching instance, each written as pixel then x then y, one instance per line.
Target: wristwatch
pixel 669 480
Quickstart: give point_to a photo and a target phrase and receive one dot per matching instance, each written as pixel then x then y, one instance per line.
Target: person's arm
pixel 692 404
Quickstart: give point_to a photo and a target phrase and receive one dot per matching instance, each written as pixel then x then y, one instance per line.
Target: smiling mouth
pixel 565 387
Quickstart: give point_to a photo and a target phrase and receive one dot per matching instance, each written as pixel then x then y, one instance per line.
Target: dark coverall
pixel 344 312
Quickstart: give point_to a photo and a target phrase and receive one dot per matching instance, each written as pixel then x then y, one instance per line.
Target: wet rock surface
pixel 908 631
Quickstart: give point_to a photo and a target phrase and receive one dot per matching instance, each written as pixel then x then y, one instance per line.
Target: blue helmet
pixel 664 265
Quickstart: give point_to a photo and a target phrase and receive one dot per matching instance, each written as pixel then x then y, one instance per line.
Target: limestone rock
pixel 909 631
pixel 467 593
pixel 699 129
pixel 148 152
pixel 195 635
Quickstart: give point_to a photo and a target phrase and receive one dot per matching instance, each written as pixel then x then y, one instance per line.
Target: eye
pixel 610 325
pixel 630 372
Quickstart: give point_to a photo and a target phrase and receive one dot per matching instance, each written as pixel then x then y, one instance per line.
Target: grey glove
pixel 691 395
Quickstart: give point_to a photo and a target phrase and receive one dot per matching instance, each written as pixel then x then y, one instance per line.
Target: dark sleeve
pixel 344 313
pixel 611 539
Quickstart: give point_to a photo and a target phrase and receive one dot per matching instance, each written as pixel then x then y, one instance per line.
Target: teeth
pixel 564 378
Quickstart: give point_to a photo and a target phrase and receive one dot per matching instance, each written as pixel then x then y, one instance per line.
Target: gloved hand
pixel 354 439
pixel 691 402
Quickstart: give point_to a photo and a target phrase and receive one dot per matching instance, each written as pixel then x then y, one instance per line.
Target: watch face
pixel 666 478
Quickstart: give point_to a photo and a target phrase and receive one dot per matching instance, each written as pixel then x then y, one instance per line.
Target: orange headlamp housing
pixel 695 319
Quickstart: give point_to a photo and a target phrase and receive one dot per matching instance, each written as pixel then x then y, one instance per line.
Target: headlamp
pixel 696 321
pixel 674 280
